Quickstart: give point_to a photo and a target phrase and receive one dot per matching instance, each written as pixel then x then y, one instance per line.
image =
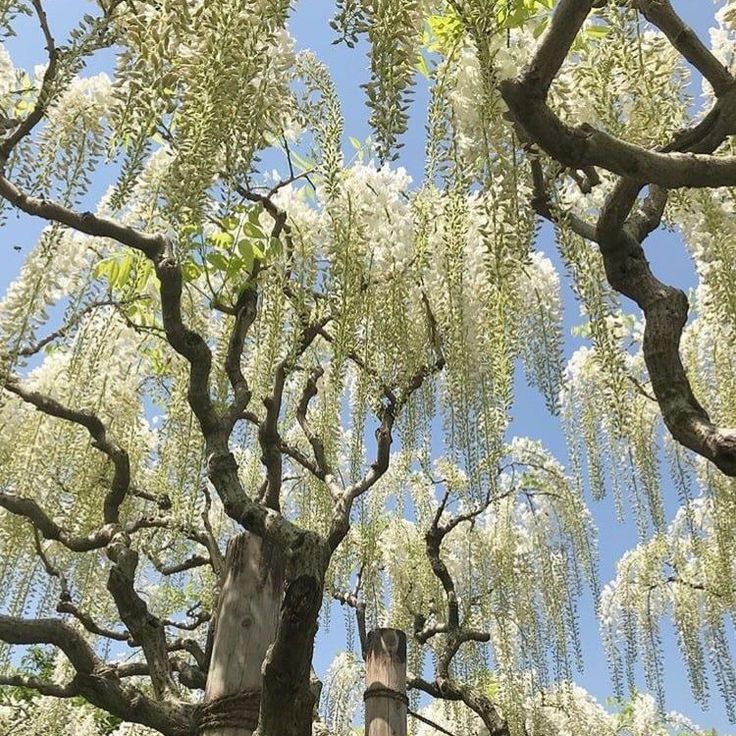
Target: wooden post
pixel 385 680
pixel 247 616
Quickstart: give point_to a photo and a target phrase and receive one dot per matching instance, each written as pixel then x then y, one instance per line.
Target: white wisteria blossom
pixel 249 373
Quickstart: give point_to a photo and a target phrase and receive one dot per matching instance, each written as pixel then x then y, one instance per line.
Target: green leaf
pixel 253 231
pixel 221 240
pixel 190 270
pixel 126 265
pixel 217 261
pixel 541 27
pixel 103 267
pixel 235 266
pixel 250 253
pixel 445 30
pixel 189 230
pixel 422 66
pixel 597 32
pixel 254 214
pixel 302 162
pixel 115 269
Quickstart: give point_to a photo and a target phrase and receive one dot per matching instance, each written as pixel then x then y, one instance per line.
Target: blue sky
pixel 310 27
pixel 671 262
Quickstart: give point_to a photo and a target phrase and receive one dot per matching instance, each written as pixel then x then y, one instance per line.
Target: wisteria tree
pixel 231 399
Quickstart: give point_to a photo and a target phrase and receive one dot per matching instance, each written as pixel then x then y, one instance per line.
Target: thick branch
pixel 190 676
pixel 86 222
pixel 15 630
pixel 30 510
pixel 89 623
pixel 146 629
pixel 473 697
pixel 341 516
pixel 395 401
pixel 585 146
pixel 188 343
pixel 189 564
pixel 44 687
pixel 191 646
pixel 246 310
pixel 287 666
pixel 97 430
pixel 197 619
pixel 185 341
pixel 49 529
pixel 649 216
pixel 543 206
pixel 222 470
pixel 268 433
pixel 661 14
pixel 302 459
pixel 318 446
pixel 454 632
pixel 93 680
pixel 556 43
pixel 618 232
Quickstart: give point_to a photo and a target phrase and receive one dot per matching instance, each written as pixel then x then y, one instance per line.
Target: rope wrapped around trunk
pixel 239 710
pixel 380 691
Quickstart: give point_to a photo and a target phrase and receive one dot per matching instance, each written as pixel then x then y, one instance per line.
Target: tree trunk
pixel 385 680
pixel 287 706
pixel 246 622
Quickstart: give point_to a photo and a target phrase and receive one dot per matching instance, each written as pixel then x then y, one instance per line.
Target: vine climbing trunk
pixel 245 627
pixel 385 681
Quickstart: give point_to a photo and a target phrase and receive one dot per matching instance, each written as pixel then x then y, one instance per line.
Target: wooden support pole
pixel 385 679
pixel 246 621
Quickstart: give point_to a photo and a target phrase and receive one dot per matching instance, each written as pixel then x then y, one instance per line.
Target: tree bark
pixel 246 623
pixel 286 671
pixel 385 680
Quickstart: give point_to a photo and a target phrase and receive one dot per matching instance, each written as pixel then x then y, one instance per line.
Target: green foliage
pixel 9 11
pixel 393 29
pixel 425 298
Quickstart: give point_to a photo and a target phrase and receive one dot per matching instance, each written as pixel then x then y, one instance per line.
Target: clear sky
pixel 310 27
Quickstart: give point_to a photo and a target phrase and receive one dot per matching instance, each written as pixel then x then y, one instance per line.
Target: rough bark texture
pixel 287 668
pixel 94 681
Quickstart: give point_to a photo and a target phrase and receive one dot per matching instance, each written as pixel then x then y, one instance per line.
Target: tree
pixel 229 397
